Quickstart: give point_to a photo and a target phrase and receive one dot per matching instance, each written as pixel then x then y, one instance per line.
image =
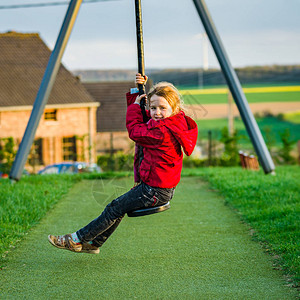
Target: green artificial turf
pixel 24 204
pixel 199 249
pixel 269 204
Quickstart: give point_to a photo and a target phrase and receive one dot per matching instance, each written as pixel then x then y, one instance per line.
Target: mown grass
pixel 269 204
pixel 24 203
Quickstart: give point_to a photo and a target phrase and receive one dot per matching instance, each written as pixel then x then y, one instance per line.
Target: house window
pixel 50 115
pixel 36 153
pixel 69 148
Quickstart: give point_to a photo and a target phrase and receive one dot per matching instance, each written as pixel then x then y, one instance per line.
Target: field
pixel 293 117
pixel 269 126
pixel 209 107
pixel 258 94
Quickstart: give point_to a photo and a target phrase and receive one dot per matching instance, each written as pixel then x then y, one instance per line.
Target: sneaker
pixel 65 242
pixel 89 248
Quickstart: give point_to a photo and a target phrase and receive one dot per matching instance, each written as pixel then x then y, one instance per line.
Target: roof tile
pixel 111 115
pixel 23 60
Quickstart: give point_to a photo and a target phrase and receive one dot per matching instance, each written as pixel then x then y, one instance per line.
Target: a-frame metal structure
pixel 53 66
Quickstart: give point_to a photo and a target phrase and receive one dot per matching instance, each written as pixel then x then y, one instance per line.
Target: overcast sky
pixel 254 32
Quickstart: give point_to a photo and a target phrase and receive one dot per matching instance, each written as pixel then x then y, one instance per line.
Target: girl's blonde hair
pixel 170 93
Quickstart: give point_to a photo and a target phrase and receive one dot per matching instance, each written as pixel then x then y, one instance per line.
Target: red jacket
pixel 162 142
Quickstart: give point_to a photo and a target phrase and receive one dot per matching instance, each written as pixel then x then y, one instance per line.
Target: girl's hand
pixel 139 98
pixel 139 79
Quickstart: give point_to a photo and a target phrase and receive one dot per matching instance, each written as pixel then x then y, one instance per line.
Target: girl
pixel 156 174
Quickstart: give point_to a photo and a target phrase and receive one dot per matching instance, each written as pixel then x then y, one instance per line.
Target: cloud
pixel 257 32
pixel 263 47
pixel 104 54
pixel 253 48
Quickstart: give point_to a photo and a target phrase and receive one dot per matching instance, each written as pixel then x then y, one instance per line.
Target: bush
pixel 284 153
pixel 116 162
pixel 230 157
pixel 7 154
pixel 189 162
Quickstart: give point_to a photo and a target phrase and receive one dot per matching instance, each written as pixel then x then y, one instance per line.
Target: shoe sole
pixel 52 243
pixel 90 251
pixel 59 247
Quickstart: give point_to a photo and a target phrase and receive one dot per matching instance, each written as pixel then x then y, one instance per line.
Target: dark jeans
pixel 141 196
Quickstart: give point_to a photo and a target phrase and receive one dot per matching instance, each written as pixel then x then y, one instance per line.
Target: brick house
pixel 112 134
pixel 67 130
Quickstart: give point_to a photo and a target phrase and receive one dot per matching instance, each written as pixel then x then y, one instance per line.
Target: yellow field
pixel 273 89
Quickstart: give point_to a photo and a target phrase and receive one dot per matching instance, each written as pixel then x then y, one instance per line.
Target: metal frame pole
pixel 236 89
pixel 140 51
pixel 45 89
pixel 140 42
pixel 141 67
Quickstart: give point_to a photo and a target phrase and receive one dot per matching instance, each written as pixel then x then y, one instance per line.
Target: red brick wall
pixel 70 122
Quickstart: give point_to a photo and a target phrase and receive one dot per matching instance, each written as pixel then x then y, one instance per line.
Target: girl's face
pixel 159 108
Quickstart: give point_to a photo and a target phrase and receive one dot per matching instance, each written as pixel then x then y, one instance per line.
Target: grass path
pixel 196 250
